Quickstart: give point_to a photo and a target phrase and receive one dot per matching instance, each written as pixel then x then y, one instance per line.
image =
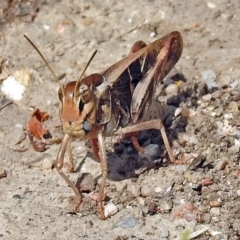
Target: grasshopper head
pixel 77 109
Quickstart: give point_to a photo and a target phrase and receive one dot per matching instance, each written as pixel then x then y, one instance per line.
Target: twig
pixel 6 104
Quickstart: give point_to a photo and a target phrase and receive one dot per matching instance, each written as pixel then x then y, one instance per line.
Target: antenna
pixel 84 70
pixel 45 61
pixel 50 69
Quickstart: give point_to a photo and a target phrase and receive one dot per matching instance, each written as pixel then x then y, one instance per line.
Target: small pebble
pixel 152 208
pixel 207 97
pixel 167 81
pixel 92 43
pixel 171 89
pixel 215 211
pixel 209 76
pixel 145 210
pixel 169 188
pixel 86 183
pixel 225 79
pixel 158 190
pixel 166 205
pixel 120 186
pixel 17 136
pixel 47 165
pixel 228 116
pixel 197 233
pixel 190 138
pixel 23 76
pixel 129 222
pixel 17 196
pixel 238 192
pixel 2 173
pixel 233 106
pixel 218 111
pixel 219 125
pixel 146 191
pixel 13 89
pixel 152 150
pixel 163 232
pixel 234 84
pixel 207 181
pixel 110 209
pixel 216 94
pixel 206 218
pixel 215 233
pixel 211 85
pixel 215 204
pixel 178 112
pixel 15 85
pixel 220 165
pixel 211 5
pixel 152 34
pixel 134 189
pixel 233 149
pixel 141 201
pixel 181 168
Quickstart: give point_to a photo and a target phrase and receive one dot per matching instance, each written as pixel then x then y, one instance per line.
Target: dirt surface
pixel 163 201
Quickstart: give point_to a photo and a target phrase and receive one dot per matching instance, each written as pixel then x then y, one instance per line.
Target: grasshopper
pixel 117 101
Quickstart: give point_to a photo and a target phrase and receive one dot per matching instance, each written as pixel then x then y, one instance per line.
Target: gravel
pixel 147 197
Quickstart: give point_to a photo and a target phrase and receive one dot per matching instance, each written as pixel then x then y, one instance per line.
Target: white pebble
pixel 238 192
pixel 177 112
pixel 46 27
pixel 228 116
pixel 134 189
pixel 129 222
pixel 208 75
pixel 158 190
pixel 207 97
pixel 171 89
pixel 15 85
pixel 17 136
pixel 234 84
pixel 47 165
pixel 93 43
pixel 228 129
pixel 146 191
pixel 152 34
pixel 184 137
pixel 219 124
pixel 152 150
pixel 163 232
pixel 233 149
pixel 110 209
pixel 236 142
pixel 13 89
pixel 181 168
pixel 211 5
pixel 215 211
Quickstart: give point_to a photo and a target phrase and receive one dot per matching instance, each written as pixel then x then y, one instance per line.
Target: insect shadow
pixel 126 162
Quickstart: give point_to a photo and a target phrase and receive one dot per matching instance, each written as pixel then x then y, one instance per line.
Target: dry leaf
pixel 35 126
pixel 41 116
pixel 35 129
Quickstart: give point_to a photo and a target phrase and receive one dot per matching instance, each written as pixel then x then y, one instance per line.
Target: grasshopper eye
pixel 86 93
pixel 83 88
pixel 81 106
pixel 87 126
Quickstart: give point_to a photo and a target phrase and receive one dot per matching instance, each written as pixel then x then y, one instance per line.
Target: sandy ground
pixel 36 203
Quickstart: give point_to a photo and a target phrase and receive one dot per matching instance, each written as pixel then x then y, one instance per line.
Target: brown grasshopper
pixel 116 101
